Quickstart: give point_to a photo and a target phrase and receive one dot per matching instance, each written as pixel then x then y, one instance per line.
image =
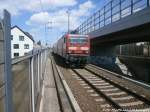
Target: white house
pixel 21 42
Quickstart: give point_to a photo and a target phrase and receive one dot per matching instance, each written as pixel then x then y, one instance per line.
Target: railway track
pixel 66 99
pixel 112 95
pixel 144 85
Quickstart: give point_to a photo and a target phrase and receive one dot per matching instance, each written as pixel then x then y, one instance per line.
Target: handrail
pixel 20 59
pixel 33 66
pixel 112 12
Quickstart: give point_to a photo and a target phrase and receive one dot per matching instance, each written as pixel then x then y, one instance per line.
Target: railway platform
pixel 56 94
pixel 49 100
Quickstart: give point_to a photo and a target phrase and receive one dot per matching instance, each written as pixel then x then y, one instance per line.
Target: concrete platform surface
pixel 49 101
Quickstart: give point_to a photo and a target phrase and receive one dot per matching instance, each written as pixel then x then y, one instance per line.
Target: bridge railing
pixel 112 12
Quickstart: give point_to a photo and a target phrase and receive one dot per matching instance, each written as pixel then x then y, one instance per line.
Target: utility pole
pixel 48 25
pixel 50 28
pixel 45 34
pixel 68 13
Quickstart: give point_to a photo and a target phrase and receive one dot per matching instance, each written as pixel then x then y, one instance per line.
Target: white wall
pixel 16 33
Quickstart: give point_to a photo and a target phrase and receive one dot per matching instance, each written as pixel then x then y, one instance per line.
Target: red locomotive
pixel 74 48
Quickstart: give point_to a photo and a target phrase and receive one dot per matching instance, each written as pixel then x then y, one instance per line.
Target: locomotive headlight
pixel 69 51
pixel 72 48
pixel 85 48
pixel 86 51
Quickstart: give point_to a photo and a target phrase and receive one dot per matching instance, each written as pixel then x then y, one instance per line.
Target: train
pixel 73 48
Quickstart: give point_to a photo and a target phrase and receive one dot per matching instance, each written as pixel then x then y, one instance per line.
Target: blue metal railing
pixel 113 11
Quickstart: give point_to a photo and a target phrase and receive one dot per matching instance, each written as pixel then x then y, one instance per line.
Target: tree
pixel 39 42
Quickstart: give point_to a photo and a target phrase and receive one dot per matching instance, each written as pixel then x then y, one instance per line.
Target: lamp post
pixel 68 13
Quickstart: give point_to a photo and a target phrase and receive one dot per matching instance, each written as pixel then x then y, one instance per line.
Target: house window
pixel 16 54
pixel 16 46
pixel 11 37
pixel 25 53
pixel 21 38
pixel 64 39
pixel 26 46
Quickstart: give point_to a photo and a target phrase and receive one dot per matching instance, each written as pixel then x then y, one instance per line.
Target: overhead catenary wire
pixel 53 22
pixel 42 9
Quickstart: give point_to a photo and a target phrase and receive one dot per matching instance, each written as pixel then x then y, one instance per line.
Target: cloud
pixel 49 4
pixel 17 6
pixel 84 9
pixel 59 18
pixel 38 18
pixel 60 3
pixel 6 4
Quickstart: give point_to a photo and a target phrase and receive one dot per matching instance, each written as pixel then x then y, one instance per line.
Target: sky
pixel 46 20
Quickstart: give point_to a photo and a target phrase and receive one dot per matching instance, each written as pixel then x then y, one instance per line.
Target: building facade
pixel 21 42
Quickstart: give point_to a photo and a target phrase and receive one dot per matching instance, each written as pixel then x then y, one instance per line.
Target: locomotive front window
pixel 78 40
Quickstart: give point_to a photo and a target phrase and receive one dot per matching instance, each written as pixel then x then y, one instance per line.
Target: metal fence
pixel 21 79
pixel 27 81
pixel 2 81
pixel 135 49
pixel 5 65
pixel 113 11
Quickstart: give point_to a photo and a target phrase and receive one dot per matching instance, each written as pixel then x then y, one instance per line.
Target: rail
pixel 66 99
pixel 98 91
pixel 96 85
pixel 122 77
pixel 112 12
